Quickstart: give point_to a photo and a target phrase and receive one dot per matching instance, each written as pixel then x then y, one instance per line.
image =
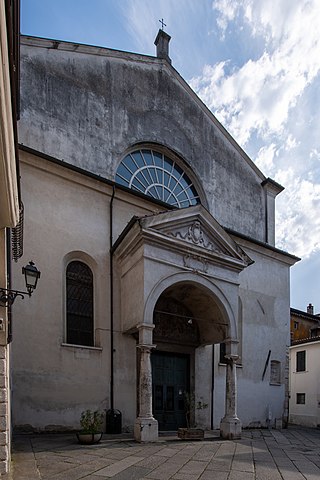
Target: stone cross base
pixel 230 428
pixel 146 430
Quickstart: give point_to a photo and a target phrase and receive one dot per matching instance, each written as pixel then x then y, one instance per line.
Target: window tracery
pixel 156 175
pixel 79 304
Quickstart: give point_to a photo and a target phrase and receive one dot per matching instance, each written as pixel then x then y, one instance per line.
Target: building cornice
pixel 266 248
pixel 303 341
pixel 300 313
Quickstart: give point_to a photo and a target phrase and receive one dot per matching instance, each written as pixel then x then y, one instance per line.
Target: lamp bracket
pixel 7 296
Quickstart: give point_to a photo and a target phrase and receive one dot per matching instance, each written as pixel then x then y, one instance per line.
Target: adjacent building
pixel 304 325
pixel 9 205
pixel 304 405
pixel 304 385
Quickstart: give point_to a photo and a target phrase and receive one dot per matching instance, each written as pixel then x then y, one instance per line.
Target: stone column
pixel 146 426
pixel 230 426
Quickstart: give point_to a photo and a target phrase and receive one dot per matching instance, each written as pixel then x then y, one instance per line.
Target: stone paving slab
pixel 291 454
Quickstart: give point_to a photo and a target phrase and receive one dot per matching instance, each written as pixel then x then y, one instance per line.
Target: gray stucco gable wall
pixel 88 108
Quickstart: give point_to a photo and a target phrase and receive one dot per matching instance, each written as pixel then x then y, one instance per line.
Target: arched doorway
pixel 185 317
pixel 214 310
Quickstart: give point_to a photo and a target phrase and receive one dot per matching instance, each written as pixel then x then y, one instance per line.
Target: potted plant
pixel 91 427
pixel 190 405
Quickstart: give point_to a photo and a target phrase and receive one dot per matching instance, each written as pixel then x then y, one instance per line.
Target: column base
pixel 146 429
pixel 230 428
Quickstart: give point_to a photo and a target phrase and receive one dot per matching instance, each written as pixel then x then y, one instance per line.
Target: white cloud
pixel 291 142
pixel 264 159
pixel 298 225
pixel 227 11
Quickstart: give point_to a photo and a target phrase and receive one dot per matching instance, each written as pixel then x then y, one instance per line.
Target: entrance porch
pixel 179 274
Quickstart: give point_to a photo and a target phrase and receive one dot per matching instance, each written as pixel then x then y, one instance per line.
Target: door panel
pixel 170 379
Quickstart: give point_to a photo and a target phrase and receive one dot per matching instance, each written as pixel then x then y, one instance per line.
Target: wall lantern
pixel 31 275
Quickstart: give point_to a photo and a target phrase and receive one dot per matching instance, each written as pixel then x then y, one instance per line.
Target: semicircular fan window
pixel 154 174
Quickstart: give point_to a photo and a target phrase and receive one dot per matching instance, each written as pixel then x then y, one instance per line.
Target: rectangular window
pixel 301 361
pixel 296 325
pixel 222 353
pixel 275 372
pixel 301 398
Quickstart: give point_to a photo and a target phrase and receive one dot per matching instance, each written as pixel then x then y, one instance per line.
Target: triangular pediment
pixel 194 228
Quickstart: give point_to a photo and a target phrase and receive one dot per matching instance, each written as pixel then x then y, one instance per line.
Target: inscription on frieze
pixel 195 262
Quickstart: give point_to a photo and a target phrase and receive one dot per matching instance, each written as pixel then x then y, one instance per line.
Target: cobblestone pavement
pixel 292 454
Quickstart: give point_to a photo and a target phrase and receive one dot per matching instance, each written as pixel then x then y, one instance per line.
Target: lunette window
pixel 156 175
pixel 79 285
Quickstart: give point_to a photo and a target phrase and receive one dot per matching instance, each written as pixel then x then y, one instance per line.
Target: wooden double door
pixel 170 380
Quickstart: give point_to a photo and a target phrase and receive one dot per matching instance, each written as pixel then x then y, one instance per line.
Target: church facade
pixel 155 236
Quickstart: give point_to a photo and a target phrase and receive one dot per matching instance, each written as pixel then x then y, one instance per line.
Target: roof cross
pixel 162 23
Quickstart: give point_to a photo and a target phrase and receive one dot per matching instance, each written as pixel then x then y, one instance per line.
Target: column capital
pixel 146 326
pixel 145 333
pixel 146 347
pixel 231 346
pixel 233 358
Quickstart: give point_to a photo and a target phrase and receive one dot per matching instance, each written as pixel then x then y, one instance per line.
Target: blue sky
pixel 256 65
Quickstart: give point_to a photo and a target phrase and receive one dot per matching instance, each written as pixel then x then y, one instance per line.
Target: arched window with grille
pixel 155 174
pixel 79 304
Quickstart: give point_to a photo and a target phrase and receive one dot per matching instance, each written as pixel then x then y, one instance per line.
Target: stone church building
pixel 155 236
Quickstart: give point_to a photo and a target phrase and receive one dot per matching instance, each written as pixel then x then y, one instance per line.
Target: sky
pixel 255 64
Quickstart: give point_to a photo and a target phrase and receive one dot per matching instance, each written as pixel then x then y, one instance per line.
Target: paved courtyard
pixel 292 454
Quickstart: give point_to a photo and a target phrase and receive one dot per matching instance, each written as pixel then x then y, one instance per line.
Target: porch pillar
pixel 230 426
pixel 146 426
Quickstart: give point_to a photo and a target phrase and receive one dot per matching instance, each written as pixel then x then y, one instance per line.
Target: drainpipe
pixel 212 386
pixel 111 301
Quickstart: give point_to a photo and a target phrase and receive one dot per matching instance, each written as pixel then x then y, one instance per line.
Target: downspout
pixel 266 228
pixel 212 386
pixel 111 301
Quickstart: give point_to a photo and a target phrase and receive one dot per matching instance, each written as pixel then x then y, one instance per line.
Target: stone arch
pixel 210 291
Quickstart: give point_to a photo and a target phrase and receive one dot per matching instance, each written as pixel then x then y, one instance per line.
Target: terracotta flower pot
pixel 89 438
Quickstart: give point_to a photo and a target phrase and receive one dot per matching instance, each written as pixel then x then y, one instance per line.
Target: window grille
pixel 17 236
pixel 79 304
pixel 154 174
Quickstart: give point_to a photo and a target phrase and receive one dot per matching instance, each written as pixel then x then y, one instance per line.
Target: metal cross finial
pixel 162 23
